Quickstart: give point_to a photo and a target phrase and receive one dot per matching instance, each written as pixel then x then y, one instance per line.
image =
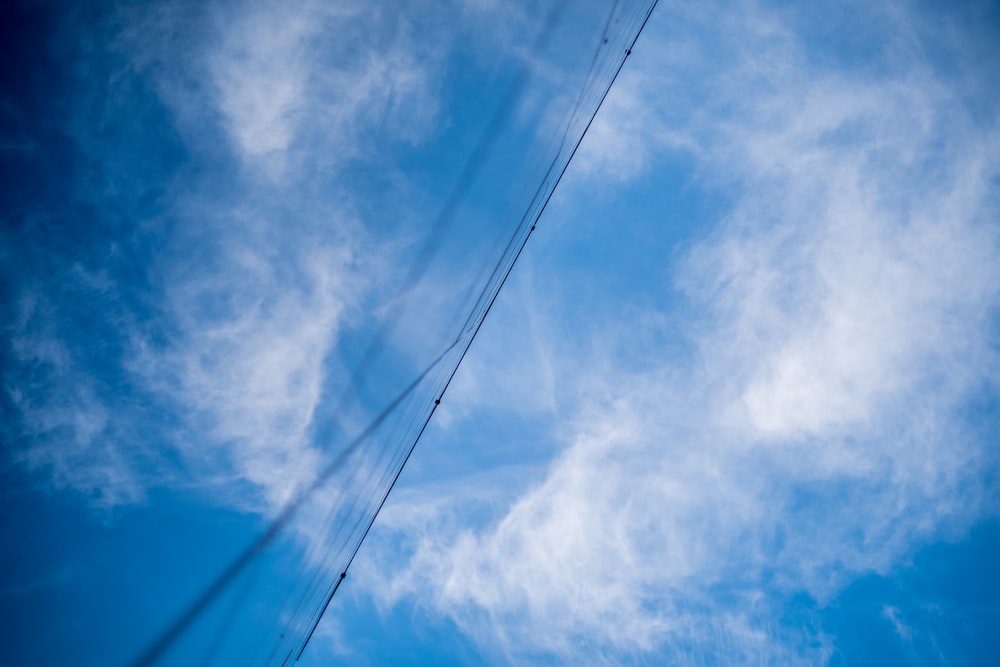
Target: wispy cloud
pixel 840 317
pixel 246 364
pixel 253 254
pixel 236 274
pixel 842 314
pixel 303 82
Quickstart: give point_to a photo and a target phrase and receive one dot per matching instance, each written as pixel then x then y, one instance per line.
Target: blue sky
pixel 737 403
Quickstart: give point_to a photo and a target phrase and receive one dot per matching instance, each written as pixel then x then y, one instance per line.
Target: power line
pixel 481 319
pixel 468 175
pixel 167 638
pixel 459 348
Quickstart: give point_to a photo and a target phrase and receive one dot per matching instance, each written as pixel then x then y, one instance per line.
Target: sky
pixel 736 404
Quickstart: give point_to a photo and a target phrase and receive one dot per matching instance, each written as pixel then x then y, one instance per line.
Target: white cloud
pixel 297 90
pixel 247 364
pixel 68 430
pixel 843 310
pixel 261 71
pixel 302 82
pixel 842 313
pixel 257 267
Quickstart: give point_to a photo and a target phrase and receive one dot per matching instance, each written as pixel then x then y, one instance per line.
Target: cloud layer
pixel 842 313
pixel 838 320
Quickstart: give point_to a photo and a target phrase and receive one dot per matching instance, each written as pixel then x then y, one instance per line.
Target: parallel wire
pixel 317 581
pixel 480 318
pixel 377 475
pixel 446 217
pixel 156 650
pixel 562 141
pixel 468 175
pixel 444 220
pixel 395 465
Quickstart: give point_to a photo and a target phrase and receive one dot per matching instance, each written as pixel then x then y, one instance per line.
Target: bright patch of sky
pixel 737 403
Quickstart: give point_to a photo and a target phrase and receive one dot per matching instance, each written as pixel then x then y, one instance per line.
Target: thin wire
pixel 558 151
pixel 315 581
pixel 170 635
pixel 552 166
pixel 158 647
pixel 445 218
pixel 480 320
pixel 443 221
pixel 371 478
pixel 299 620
